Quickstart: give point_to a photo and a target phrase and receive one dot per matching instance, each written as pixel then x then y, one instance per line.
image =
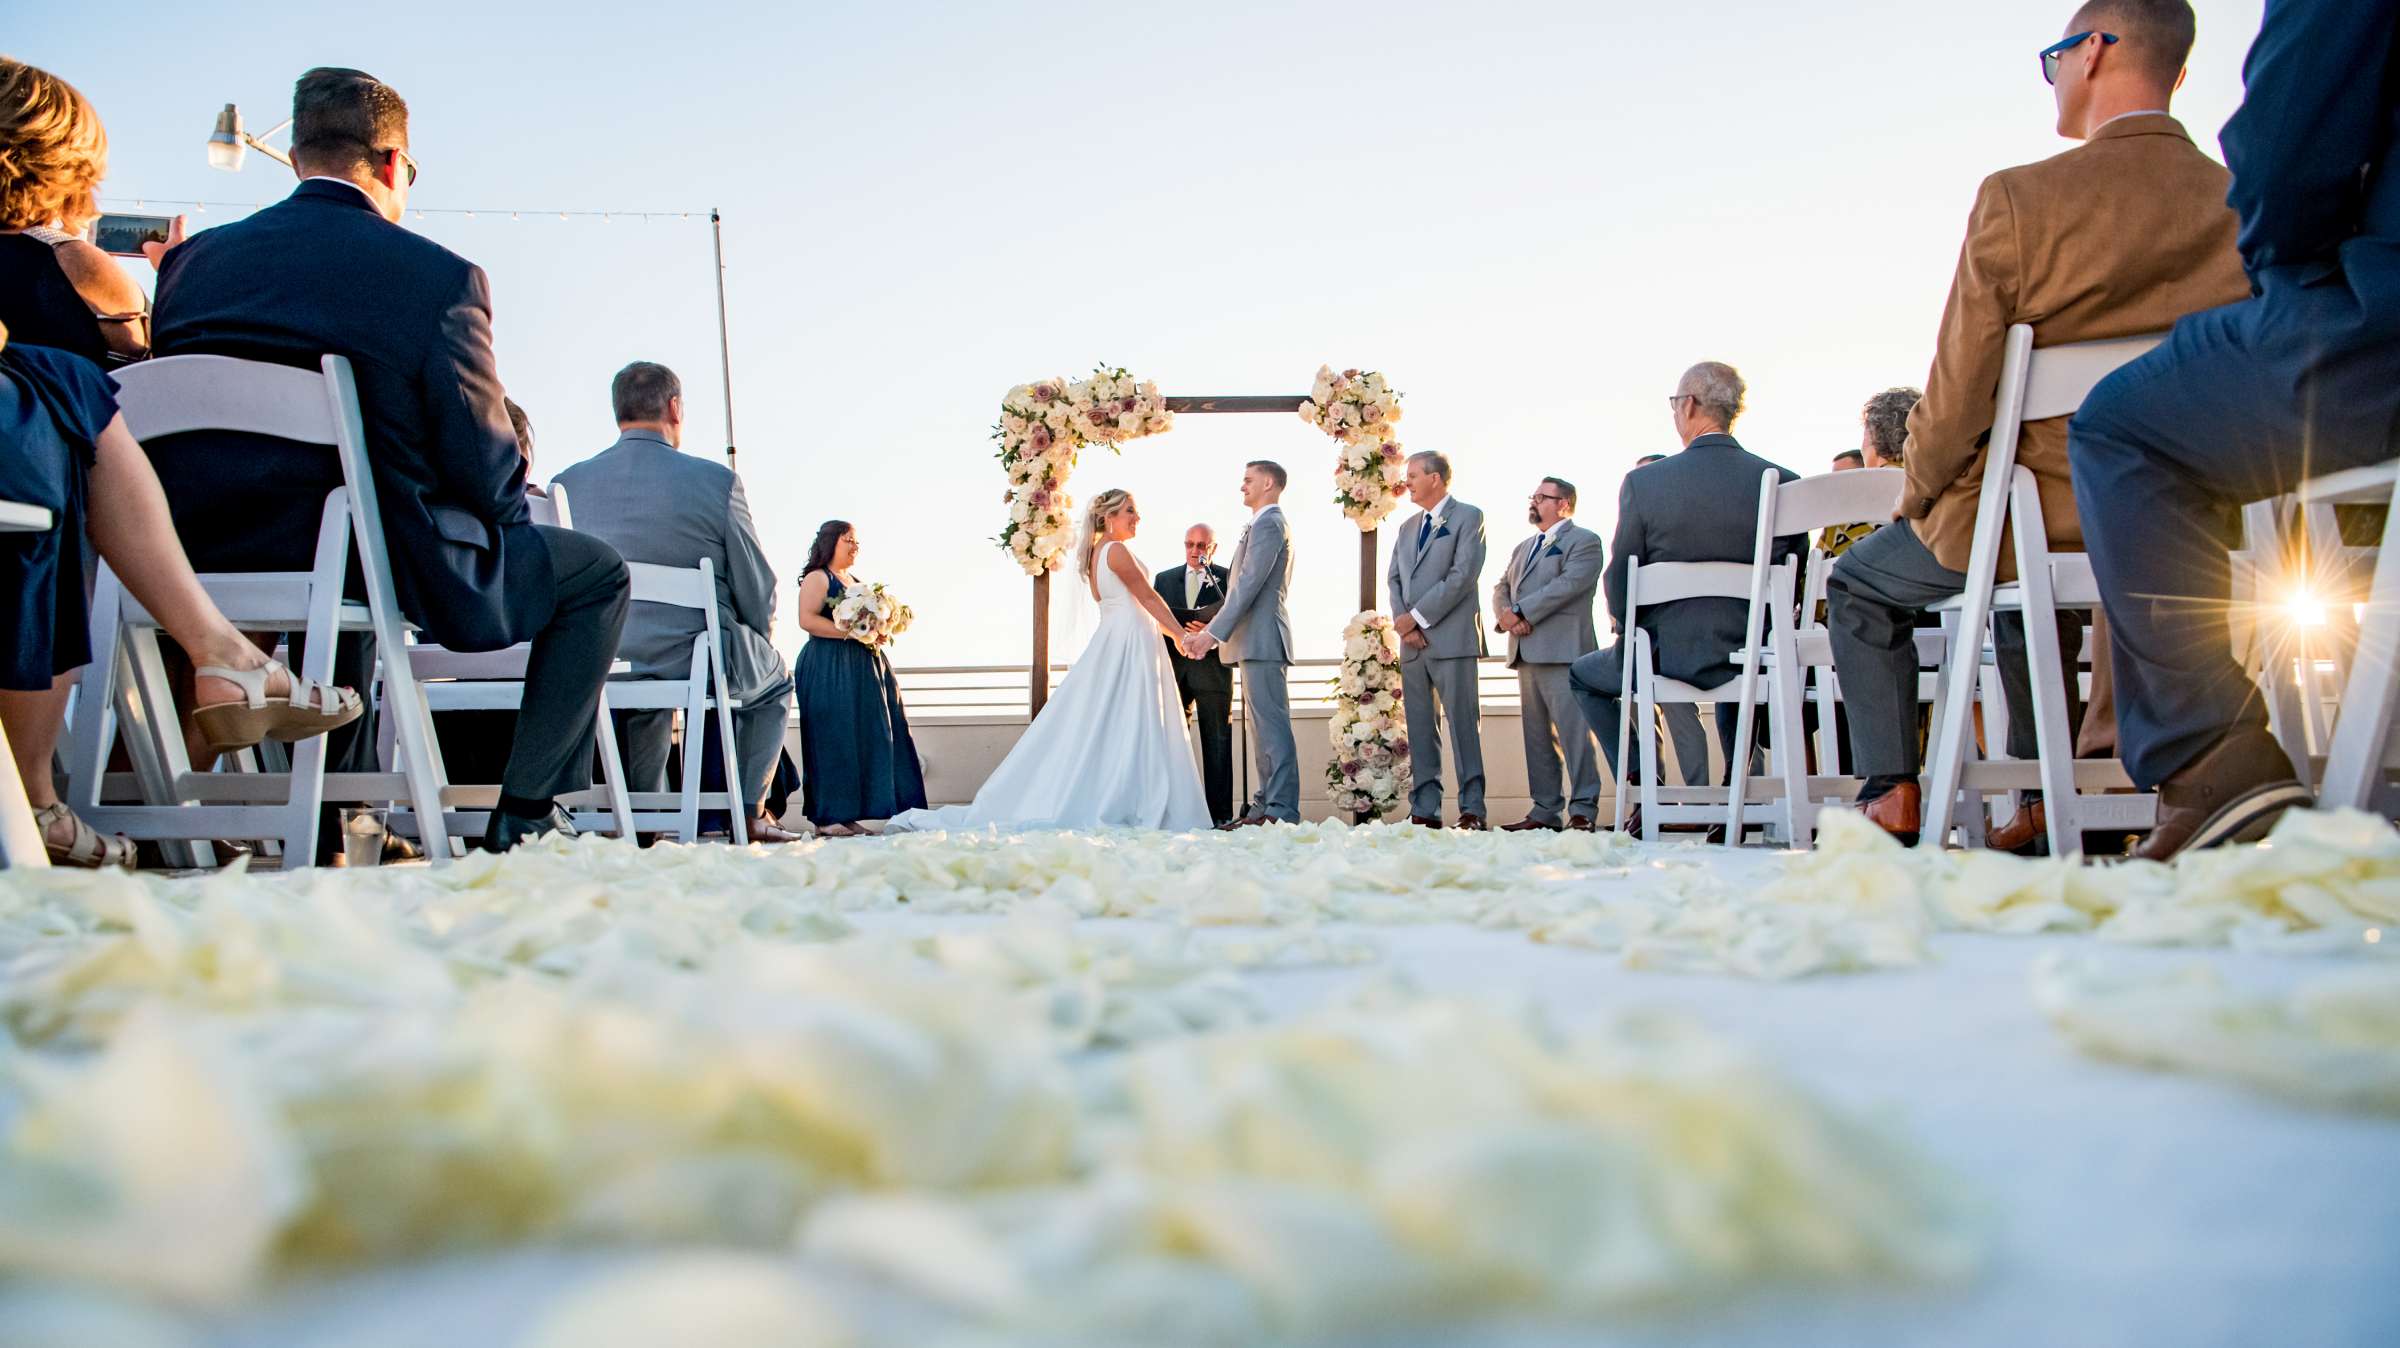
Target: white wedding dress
pixel 1108 751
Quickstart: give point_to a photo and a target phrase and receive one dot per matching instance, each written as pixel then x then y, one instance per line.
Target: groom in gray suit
pixel 1255 630
pixel 1544 604
pixel 1436 580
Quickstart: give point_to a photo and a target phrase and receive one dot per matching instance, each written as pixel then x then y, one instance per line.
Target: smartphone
pixel 124 235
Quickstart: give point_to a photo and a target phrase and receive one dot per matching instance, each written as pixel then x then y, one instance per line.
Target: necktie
pixel 1424 530
pixel 1532 555
pixel 1191 588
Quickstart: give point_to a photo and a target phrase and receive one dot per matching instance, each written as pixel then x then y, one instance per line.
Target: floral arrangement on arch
pixel 1042 427
pixel 1368 775
pixel 870 614
pixel 1358 409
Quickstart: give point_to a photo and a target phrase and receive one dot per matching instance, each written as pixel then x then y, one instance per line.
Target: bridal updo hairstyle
pixel 1095 518
pixel 820 553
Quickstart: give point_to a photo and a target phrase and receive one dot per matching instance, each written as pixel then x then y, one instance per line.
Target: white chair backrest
pixel 693 587
pixel 558 505
pixel 542 509
pixel 2063 376
pixel 1858 496
pixel 174 394
pixel 1666 582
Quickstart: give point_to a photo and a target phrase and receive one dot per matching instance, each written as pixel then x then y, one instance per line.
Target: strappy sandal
pixel 310 708
pixel 85 848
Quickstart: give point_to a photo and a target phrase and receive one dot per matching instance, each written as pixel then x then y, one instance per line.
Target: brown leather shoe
pixel 1531 825
pixel 2233 793
pixel 1422 821
pixel 1472 823
pixel 1899 812
pixel 2024 828
pixel 1582 823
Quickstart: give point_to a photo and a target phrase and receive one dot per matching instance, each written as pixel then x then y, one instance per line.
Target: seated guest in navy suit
pixel 329 270
pixel 2242 402
pixel 64 449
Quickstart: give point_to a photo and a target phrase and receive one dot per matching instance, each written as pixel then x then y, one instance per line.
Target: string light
pixel 420 212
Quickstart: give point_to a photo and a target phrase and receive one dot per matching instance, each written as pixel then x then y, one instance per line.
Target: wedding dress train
pixel 1108 751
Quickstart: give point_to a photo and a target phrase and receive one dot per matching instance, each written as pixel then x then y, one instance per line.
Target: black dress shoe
pixel 506 830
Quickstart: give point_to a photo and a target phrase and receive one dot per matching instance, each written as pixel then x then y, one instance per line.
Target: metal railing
pixel 939 692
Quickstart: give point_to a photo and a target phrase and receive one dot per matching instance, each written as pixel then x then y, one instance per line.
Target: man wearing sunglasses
pixel 2122 235
pixel 2243 402
pixel 329 270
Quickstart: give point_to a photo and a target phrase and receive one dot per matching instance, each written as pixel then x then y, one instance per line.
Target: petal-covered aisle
pixel 1323 1084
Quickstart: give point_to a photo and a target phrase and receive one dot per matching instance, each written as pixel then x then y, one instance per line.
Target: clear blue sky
pixel 1531 215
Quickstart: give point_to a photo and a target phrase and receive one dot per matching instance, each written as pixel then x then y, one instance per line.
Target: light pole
pixel 228 143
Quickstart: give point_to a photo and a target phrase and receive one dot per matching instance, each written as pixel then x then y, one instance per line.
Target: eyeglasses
pixel 1674 400
pixel 2052 53
pixel 1545 496
pixel 407 161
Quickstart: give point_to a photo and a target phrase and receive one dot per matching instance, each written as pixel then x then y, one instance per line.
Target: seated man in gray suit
pixel 1544 602
pixel 1256 632
pixel 1697 506
pixel 1436 577
pixel 656 504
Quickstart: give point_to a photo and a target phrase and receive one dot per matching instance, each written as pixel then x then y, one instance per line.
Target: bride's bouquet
pixel 1368 775
pixel 870 614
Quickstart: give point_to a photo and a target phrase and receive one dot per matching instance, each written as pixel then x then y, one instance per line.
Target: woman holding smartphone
pixel 56 289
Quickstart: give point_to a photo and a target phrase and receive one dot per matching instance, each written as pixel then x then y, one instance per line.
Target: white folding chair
pixel 1645 690
pixel 495 681
pixel 1795 644
pixel 702 687
pixel 2360 749
pixel 20 838
pixel 176 394
pixel 2034 386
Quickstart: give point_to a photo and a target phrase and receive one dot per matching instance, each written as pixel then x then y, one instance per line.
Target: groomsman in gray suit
pixel 1544 602
pixel 1255 631
pixel 1436 578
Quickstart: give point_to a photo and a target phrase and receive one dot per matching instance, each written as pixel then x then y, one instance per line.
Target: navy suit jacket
pixel 319 273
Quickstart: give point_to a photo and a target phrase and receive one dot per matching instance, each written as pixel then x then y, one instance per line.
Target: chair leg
pixel 2354 759
pixel 1648 717
pixel 153 737
pixel 727 752
pixel 612 769
pixel 1624 803
pixel 1785 721
pixel 21 846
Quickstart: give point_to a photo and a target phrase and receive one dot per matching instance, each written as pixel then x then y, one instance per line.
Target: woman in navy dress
pixel 64 449
pixel 856 759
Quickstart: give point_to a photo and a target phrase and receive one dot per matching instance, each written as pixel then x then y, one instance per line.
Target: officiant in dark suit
pixel 1194 592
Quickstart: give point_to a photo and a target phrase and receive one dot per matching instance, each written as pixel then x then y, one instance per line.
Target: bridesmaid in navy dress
pixel 856 759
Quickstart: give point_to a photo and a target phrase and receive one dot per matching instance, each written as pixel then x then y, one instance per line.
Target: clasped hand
pixel 1195 641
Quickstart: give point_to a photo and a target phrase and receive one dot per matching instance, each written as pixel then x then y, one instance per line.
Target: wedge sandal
pixel 84 847
pixel 311 708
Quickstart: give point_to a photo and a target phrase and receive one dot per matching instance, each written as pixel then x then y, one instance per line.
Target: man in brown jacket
pixel 2122 235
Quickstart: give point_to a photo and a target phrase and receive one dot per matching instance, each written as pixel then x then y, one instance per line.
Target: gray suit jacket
pixel 1253 624
pixel 1556 596
pixel 1697 506
pixel 1443 582
pixel 656 504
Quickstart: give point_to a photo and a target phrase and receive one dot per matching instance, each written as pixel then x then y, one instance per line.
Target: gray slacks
pixel 1598 682
pixel 1434 692
pixel 1267 710
pixel 552 753
pixel 1873 597
pixel 758 728
pixel 1553 725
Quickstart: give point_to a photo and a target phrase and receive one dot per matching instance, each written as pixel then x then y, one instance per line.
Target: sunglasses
pixel 2052 54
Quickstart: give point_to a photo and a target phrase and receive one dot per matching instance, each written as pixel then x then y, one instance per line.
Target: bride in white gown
pixel 1109 750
